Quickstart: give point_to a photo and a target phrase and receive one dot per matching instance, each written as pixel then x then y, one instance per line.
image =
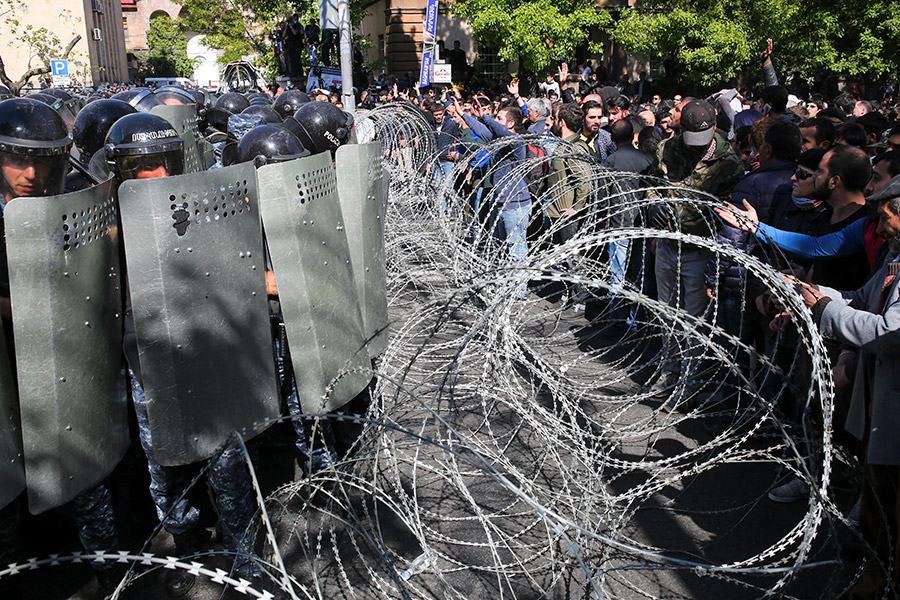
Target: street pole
pixel 347 97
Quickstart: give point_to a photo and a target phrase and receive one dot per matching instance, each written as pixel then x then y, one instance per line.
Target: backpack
pixel 536 177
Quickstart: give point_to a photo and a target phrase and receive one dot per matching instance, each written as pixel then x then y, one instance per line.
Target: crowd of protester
pixel 816 176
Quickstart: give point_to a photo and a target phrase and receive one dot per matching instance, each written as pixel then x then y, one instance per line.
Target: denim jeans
pixel 680 283
pixel 509 224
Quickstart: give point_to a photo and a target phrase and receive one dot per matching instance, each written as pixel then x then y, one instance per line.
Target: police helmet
pixel 203 101
pixel 58 105
pixel 259 98
pixel 321 126
pixel 142 142
pixel 289 102
pixel 67 98
pixel 276 143
pixel 266 112
pixel 141 98
pixel 171 94
pixel 94 121
pixel 228 104
pixel 232 102
pixel 32 129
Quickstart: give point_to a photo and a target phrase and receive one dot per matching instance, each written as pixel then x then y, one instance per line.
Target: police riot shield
pixel 183 118
pixel 207 154
pixel 362 186
pixel 12 467
pixel 194 256
pixel 311 259
pixel 66 295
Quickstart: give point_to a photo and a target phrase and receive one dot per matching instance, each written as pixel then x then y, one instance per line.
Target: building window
pixel 125 27
pixel 491 66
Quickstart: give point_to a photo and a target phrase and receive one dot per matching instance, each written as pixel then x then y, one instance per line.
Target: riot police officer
pixel 144 146
pixel 34 151
pixel 321 126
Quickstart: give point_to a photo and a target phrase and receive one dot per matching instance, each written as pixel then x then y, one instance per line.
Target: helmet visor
pixel 148 166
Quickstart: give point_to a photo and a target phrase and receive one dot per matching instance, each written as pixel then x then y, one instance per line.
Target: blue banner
pixel 431 17
pixel 425 74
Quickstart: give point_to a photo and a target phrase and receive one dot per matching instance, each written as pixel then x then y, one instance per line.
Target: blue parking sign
pixel 59 68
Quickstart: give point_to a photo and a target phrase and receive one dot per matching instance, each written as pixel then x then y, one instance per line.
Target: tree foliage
pixel 539 32
pixel 166 54
pixel 241 27
pixel 712 40
pixel 41 44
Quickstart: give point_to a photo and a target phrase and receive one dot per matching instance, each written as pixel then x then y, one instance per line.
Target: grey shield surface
pixel 311 259
pixel 183 119
pixel 207 154
pixel 362 186
pixel 66 297
pixel 193 248
pixel 12 467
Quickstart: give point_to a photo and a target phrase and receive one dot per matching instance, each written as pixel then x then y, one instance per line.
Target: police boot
pixel 108 579
pixel 178 581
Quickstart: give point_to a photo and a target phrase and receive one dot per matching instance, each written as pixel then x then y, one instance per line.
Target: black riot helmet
pixel 141 143
pixel 276 143
pixel 266 112
pixel 58 105
pixel 321 126
pixel 289 102
pixel 94 121
pixel 228 104
pixel 141 98
pixel 232 102
pixel 259 98
pixel 67 98
pixel 31 132
pixel 204 104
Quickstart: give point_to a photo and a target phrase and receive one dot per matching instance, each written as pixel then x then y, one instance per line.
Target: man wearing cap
pixel 701 159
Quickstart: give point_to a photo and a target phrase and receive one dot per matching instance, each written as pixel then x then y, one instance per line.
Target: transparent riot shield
pixel 194 255
pixel 12 467
pixel 183 119
pixel 307 242
pixel 362 186
pixel 66 298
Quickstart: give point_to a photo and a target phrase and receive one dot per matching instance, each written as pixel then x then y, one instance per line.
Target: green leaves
pixel 712 40
pixel 540 32
pixel 166 54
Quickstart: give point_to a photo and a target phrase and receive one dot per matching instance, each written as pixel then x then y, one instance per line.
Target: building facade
pixel 98 57
pixel 137 15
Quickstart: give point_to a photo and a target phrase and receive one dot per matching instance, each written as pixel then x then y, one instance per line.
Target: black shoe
pixel 179 582
pixel 662 388
pixel 108 579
